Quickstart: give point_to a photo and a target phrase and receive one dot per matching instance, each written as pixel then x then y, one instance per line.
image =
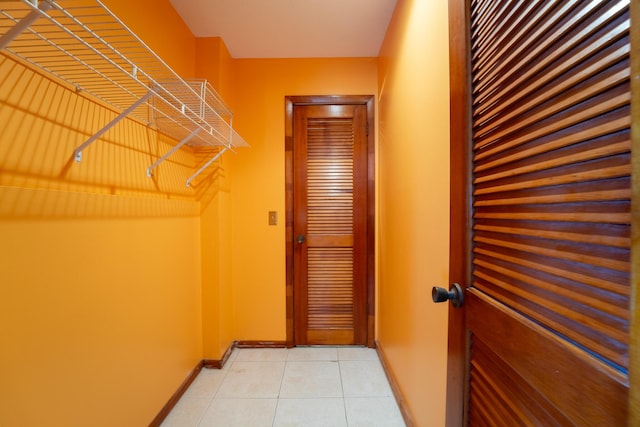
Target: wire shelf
pixel 85 45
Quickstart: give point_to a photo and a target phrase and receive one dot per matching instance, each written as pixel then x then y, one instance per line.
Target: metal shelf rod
pixel 173 150
pixel 206 165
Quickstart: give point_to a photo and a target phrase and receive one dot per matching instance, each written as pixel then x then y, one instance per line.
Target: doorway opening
pixel 329 214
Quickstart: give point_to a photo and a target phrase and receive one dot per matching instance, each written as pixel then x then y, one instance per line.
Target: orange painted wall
pixel 258 250
pixel 213 62
pixel 118 284
pixel 100 307
pixel 160 27
pixel 414 203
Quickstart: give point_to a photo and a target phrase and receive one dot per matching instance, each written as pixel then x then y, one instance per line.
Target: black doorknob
pixel 301 238
pixel 455 294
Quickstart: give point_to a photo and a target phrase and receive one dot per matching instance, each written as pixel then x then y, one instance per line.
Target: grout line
pixel 279 399
pixel 205 411
pixel 224 373
pixel 275 412
pixel 344 403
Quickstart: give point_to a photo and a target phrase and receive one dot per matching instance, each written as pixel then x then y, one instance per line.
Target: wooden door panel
pixel 526 181
pixel 330 203
pixel 537 363
pixel 546 86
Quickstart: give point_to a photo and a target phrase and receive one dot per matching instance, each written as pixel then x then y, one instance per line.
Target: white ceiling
pixel 291 28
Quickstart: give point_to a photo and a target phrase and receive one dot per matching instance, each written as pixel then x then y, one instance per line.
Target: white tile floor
pixel 303 386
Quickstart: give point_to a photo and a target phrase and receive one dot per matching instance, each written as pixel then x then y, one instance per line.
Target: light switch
pixel 273 218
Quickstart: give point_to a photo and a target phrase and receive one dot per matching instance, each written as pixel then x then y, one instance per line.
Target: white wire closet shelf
pixel 84 44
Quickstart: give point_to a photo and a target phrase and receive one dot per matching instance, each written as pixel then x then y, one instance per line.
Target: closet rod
pixel 173 150
pixel 206 165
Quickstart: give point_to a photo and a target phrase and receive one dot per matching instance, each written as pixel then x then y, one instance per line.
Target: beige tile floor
pixel 303 386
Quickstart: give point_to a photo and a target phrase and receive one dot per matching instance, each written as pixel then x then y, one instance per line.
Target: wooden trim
pixel 371 223
pixel 541 350
pixel 460 207
pixel 261 344
pixel 288 178
pixel 218 364
pixel 204 363
pixel 330 99
pixel 212 363
pixel 166 409
pixel 290 102
pixel 395 388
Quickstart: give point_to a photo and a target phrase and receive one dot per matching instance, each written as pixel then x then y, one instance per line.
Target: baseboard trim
pixel 261 344
pixel 177 395
pixel 204 363
pixel 402 403
pixel 218 364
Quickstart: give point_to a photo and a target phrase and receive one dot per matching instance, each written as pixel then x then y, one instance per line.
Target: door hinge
pixel 367 128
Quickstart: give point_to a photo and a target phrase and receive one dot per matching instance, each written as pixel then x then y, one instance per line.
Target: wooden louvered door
pixel 330 224
pixel 547 308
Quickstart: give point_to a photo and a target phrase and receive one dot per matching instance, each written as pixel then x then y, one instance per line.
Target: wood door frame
pixel 290 103
pixel 460 207
pixel 461 211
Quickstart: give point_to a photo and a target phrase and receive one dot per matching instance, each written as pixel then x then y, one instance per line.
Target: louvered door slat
pixel 611 167
pixel 551 195
pixel 539 288
pixel 330 189
pixel 567 280
pixel 544 90
pixel 602 126
pixel 486 62
pixel 329 176
pixel 330 282
pixel 557 99
pixel 553 36
pixel 330 157
pixel 518 159
pixel 498 388
pixel 576 115
pixel 613 235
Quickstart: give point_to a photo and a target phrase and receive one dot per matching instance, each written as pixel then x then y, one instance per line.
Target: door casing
pixel 460 207
pixel 290 102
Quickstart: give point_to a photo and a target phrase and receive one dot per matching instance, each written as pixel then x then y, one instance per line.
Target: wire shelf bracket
pixel 77 153
pixel 82 43
pixel 23 24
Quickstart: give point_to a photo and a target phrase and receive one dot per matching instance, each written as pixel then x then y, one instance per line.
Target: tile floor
pixel 303 386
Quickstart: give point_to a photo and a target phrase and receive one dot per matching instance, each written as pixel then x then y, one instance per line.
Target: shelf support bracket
pixel 77 153
pixel 24 23
pixel 206 165
pixel 173 150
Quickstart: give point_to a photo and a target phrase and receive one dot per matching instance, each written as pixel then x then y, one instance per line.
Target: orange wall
pixel 213 62
pixel 161 28
pixel 414 202
pixel 258 250
pixel 118 284
pixel 100 307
